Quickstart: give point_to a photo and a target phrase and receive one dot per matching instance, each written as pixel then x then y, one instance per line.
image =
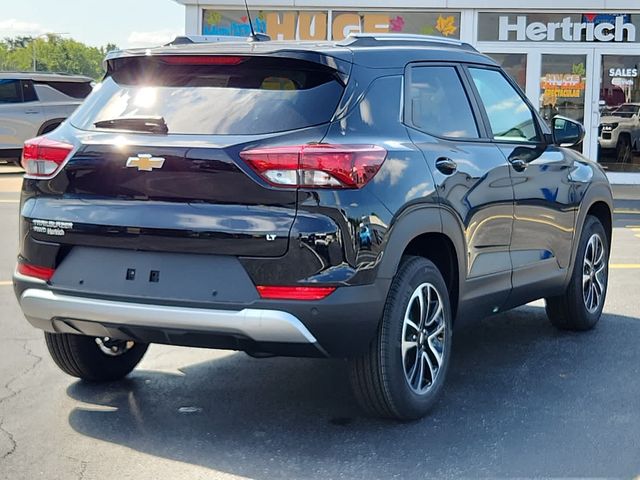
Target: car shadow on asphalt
pixel 522 399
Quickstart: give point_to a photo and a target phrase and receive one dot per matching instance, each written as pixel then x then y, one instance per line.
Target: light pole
pixel 33 43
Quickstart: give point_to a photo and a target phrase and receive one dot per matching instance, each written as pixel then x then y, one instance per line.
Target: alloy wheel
pixel 423 338
pixel 594 273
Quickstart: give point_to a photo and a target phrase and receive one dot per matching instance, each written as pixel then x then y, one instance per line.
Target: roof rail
pixel 378 39
pixel 187 39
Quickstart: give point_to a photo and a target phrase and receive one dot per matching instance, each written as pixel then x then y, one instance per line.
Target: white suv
pixel 35 103
pixel 619 131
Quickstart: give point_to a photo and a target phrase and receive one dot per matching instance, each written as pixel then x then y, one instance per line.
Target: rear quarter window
pixel 255 96
pixel 71 89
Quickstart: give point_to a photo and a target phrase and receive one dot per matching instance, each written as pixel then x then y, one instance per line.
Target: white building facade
pixel 578 58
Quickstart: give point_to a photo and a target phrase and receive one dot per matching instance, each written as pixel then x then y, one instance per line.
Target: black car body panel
pixel 212 229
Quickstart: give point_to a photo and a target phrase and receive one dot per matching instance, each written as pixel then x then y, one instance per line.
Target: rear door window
pixel 439 104
pixel 10 91
pixel 243 95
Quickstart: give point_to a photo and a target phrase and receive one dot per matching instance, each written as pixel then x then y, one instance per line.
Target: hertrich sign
pixel 566 30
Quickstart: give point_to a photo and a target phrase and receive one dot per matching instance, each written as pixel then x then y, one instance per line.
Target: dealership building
pixel 575 58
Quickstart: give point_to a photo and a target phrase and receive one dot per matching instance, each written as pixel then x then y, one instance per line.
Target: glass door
pixel 563 81
pixel 617 126
pixel 563 87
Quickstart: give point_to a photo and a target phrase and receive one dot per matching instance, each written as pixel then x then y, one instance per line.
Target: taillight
pixel 35 271
pixel 316 166
pixel 272 292
pixel 42 157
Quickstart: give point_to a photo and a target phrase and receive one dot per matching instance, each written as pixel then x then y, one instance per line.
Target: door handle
pixel 446 165
pixel 31 111
pixel 519 165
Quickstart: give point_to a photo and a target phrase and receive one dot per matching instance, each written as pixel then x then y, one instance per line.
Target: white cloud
pixel 11 27
pixel 151 39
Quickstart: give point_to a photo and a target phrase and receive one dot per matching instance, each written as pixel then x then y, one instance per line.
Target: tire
pixel 573 310
pixel 623 149
pixel 82 357
pixel 381 377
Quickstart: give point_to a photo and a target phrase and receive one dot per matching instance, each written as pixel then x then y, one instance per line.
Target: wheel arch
pixel 624 134
pixel 432 233
pixel 46 127
pixel 597 201
pixel 602 212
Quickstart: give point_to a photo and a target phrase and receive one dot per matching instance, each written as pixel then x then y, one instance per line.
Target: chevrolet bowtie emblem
pixel 145 162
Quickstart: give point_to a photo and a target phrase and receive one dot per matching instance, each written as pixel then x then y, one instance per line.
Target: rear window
pixel 243 96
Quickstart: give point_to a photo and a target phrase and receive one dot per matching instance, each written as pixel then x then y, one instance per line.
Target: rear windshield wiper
pixel 135 124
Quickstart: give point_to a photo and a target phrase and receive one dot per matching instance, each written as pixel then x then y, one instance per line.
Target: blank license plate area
pixel 177 277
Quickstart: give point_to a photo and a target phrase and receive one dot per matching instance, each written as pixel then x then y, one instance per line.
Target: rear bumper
pixel 61 313
pixel 341 325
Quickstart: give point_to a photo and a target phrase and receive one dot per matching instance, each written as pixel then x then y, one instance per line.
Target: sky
pixel 127 23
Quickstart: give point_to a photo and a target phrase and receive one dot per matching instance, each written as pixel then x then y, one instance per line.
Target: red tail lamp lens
pixel 317 166
pixel 294 293
pixel 43 157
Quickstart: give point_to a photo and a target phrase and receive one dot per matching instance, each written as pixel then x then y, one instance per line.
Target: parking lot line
pixel 9 201
pixel 5 283
pixel 627 211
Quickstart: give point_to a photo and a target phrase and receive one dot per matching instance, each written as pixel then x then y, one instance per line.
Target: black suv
pixel 354 199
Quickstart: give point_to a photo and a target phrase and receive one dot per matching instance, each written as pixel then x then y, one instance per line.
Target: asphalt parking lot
pixel 522 400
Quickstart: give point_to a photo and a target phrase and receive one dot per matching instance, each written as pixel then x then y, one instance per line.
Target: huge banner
pixel 322 25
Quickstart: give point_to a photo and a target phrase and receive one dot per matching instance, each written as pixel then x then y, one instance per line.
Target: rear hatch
pixel 156 162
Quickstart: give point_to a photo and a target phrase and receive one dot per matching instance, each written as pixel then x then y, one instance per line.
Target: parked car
pixel 352 199
pixel 34 104
pixel 619 131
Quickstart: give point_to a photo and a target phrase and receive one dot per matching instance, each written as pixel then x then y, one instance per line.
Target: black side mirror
pixel 566 132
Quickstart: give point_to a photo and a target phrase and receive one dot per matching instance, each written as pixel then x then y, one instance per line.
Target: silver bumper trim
pixel 259 325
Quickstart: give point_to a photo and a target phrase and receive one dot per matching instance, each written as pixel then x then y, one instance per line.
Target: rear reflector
pixel 35 271
pixel 201 60
pixel 294 293
pixel 316 166
pixel 43 157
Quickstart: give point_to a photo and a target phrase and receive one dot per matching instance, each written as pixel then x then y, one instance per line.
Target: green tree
pixel 53 54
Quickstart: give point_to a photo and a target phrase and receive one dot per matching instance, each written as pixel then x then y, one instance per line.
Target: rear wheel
pixel 580 307
pixel 94 359
pixel 402 374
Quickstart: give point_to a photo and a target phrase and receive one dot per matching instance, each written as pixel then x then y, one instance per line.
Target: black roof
pixel 380 51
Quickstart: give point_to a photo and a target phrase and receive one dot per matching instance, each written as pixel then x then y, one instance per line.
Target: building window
pixel 314 25
pixel 562 86
pixel 515 64
pixel 619 128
